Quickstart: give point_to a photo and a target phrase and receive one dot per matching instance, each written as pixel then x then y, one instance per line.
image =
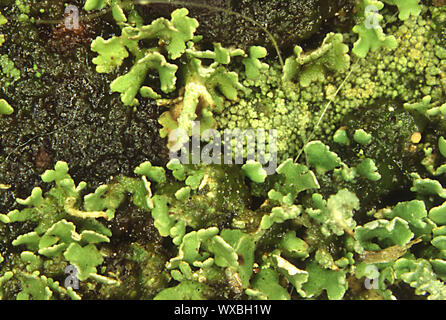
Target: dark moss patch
pixel 66 112
pixel 288 21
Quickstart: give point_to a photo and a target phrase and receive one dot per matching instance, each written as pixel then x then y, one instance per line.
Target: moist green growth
pixel 230 247
pixel 9 73
pixel 318 84
pixel 235 232
pixel 207 82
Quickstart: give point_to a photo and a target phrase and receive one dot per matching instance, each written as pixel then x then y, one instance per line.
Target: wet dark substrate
pixel 69 114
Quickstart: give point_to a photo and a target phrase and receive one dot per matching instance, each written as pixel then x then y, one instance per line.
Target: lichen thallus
pixel 90 16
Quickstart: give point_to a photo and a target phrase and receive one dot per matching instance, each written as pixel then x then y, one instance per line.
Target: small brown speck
pixel 42 159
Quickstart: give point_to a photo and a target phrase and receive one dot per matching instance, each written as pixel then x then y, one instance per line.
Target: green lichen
pixel 410 71
pixel 254 171
pixel 419 275
pixel 112 52
pixel 336 214
pixel 222 256
pixel 370 31
pixel 330 57
pixel 406 8
pixel 362 137
pixel 5 107
pixel 320 279
pixel 204 87
pixel 320 157
pixel 8 71
pixel 340 136
pixel 237 231
pixel 55 238
pixel 94 5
